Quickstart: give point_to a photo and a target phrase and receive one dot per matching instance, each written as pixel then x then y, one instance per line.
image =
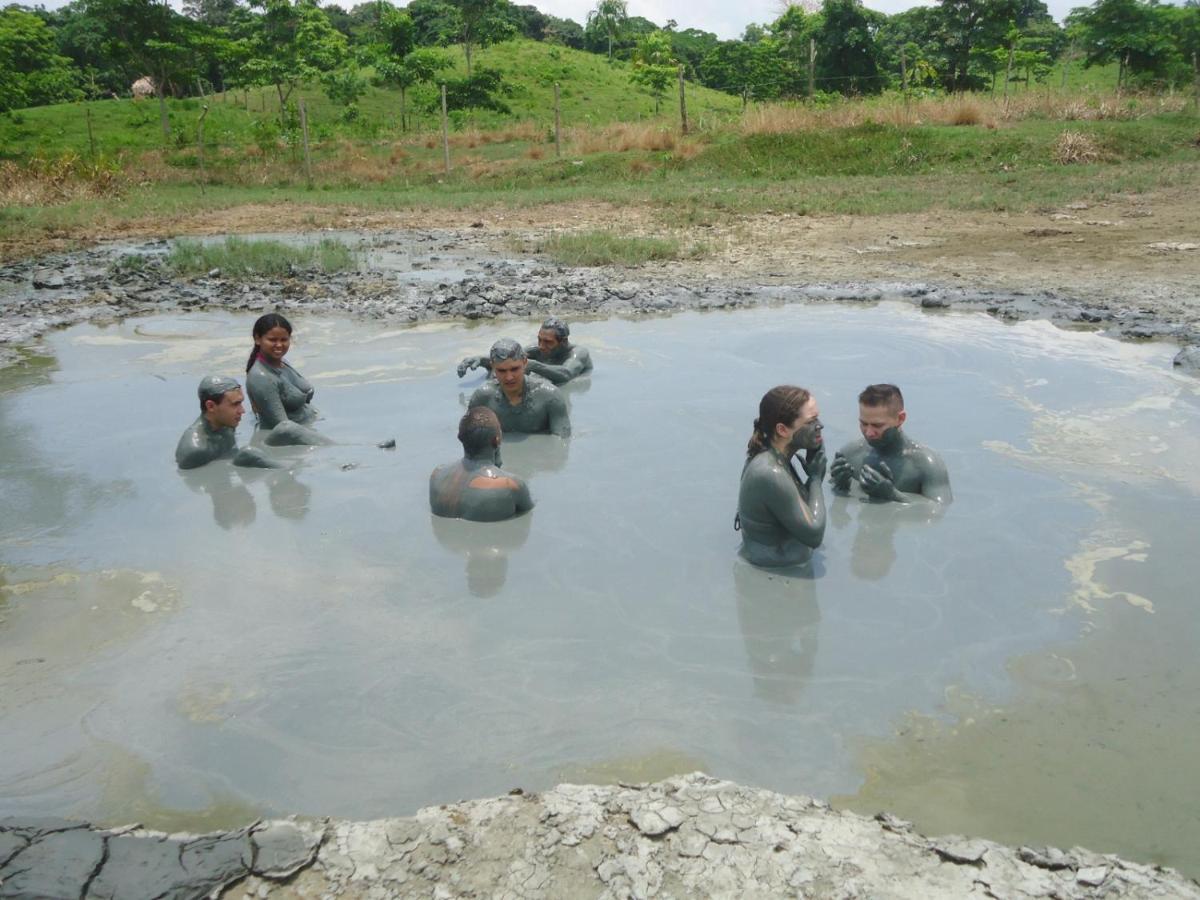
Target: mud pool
pixel 193 651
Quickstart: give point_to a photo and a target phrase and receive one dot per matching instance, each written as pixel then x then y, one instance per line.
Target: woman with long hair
pixel 781 515
pixel 278 393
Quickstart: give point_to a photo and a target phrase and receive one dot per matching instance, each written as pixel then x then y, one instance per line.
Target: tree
pixel 963 26
pixel 294 44
pixel 400 63
pixel 789 36
pixel 481 22
pixel 480 90
pixel 610 18
pixel 144 37
pixel 1131 33
pixel 32 72
pixel 847 55
pixel 654 66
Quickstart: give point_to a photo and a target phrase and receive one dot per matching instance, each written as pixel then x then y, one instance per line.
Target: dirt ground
pixel 1137 251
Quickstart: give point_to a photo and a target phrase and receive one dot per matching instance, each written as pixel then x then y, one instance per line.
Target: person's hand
pixel 815 464
pixel 877 482
pixel 841 473
pixel 471 362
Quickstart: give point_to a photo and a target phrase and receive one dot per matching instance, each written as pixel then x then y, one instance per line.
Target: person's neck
pixel 267 362
pixel 780 448
pixel 894 441
pixel 514 398
pixel 213 426
pixel 482 458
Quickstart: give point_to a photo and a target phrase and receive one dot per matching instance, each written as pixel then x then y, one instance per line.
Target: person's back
pixel 475 487
pixel 480 492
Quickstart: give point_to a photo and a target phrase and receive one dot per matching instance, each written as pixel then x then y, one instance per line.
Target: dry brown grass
pixel 535 152
pixel 983 110
pixel 48 182
pixel 640 166
pixel 1074 147
pixel 622 137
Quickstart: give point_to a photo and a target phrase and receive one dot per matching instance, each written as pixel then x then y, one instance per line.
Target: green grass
pixel 239 258
pixel 603 248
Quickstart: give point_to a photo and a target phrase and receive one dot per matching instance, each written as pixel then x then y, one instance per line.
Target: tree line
pixel 98 48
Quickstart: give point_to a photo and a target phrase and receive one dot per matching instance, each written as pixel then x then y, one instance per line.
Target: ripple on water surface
pixel 329 649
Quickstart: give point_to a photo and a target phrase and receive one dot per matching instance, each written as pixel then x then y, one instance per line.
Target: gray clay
pixel 475 487
pixel 1188 359
pixel 888 464
pixel 279 394
pixel 554 357
pixel 524 403
pixel 782 515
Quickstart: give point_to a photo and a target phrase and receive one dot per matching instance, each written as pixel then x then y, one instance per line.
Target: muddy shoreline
pixel 691 835
pixel 409 277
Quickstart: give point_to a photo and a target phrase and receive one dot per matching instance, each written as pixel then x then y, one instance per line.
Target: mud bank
pixel 686 836
pixel 459 275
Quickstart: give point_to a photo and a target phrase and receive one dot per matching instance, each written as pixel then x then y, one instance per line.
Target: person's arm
pixel 523 500
pixel 266 398
pixel 878 481
pixel 802 517
pixel 474 362
pixel 192 453
pixel 573 366
pixel 253 458
pixel 560 421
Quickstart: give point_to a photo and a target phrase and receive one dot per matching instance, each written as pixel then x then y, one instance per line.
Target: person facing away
pixel 278 393
pixel 554 357
pixel 214 433
pixel 522 402
pixel 781 515
pixel 475 487
pixel 885 461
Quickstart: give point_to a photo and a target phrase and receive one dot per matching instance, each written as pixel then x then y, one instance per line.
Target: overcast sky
pixel 728 19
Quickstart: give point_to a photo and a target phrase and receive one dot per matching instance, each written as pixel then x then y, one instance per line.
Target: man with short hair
pixel 475 487
pixel 214 434
pixel 886 462
pixel 522 402
pixel 555 358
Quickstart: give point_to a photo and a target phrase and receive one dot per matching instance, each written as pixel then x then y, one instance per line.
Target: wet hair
pixel 506 348
pixel 261 327
pixel 477 429
pixel 214 388
pixel 882 395
pixel 780 404
pixel 559 327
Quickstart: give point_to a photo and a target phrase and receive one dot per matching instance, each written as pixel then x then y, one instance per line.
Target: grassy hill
pixel 593 92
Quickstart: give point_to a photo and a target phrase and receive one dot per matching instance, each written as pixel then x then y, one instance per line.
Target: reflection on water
pixel 779 617
pixel 316 644
pixel 485 546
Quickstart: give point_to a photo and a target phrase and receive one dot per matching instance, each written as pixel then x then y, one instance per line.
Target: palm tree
pixel 610 16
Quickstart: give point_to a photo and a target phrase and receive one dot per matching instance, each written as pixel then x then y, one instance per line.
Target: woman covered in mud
pixel 278 392
pixel 780 515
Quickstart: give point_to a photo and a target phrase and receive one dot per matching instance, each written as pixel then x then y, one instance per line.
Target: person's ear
pixel 210 405
pixel 900 418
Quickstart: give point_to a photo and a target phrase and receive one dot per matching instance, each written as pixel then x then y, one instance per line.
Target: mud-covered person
pixel 279 395
pixel 475 487
pixel 522 402
pixel 781 515
pixel 214 433
pixel 554 357
pixel 886 462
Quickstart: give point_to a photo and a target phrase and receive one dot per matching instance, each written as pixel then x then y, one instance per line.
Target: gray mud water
pixel 194 651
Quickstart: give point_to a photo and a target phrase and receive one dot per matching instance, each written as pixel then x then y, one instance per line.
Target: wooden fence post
pixel 682 103
pixel 91 136
pixel 445 131
pixel 812 65
pixel 904 78
pixel 557 125
pixel 200 147
pixel 307 154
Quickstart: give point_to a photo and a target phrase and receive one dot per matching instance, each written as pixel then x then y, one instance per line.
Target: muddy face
pixel 228 413
pixel 510 373
pixel 274 345
pixel 880 425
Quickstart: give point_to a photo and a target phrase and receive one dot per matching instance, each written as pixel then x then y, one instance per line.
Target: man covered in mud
pixel 888 464
pixel 475 487
pixel 554 357
pixel 214 434
pixel 522 402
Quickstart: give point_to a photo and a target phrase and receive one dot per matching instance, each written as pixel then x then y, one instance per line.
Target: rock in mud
pixel 1188 359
